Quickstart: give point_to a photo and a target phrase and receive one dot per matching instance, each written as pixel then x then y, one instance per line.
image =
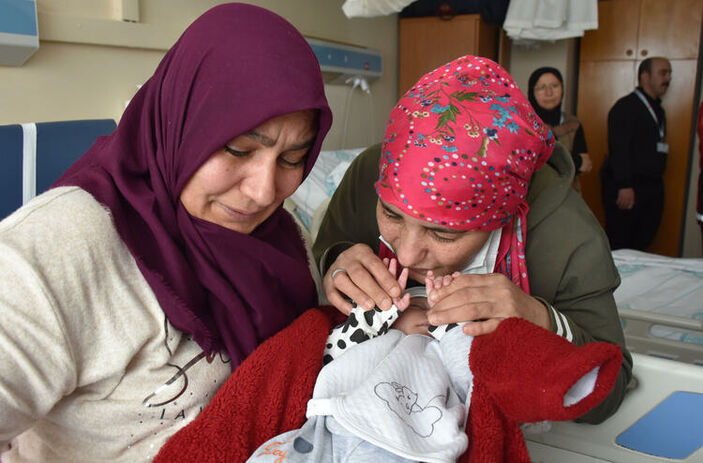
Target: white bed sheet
pixel 663 285
pixel 322 181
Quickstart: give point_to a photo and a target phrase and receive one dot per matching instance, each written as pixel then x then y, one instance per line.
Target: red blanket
pixel 521 374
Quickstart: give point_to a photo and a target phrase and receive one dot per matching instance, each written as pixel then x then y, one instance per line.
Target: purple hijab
pixel 234 68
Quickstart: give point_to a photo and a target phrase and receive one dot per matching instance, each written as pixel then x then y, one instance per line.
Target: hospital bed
pixel 660 302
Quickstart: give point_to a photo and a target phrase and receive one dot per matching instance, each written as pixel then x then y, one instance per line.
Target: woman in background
pixel 546 93
pixel 162 258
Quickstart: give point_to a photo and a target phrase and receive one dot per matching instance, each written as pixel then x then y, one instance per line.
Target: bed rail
pixel 639 338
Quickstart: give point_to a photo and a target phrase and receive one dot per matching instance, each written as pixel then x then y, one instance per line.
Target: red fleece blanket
pixel 521 374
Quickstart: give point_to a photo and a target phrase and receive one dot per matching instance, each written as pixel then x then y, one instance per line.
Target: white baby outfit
pixel 395 397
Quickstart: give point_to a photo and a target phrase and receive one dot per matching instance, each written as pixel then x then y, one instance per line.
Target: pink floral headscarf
pixel 459 151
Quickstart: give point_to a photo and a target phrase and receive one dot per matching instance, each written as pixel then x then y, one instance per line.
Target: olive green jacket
pixel 568 258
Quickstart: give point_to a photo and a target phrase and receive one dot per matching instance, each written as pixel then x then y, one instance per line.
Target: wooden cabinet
pixel 616 36
pixel 636 29
pixel 669 28
pixel 426 43
pixel 630 31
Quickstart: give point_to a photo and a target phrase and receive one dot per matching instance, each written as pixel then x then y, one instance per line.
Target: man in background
pixel 632 175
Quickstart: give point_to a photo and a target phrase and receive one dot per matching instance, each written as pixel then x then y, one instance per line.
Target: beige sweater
pixel 85 349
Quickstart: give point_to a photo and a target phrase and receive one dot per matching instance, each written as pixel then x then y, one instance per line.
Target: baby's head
pixel 413 320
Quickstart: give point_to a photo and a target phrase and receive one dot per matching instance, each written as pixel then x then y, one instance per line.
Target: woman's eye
pixel 391 215
pixel 235 152
pixel 292 164
pixel 443 239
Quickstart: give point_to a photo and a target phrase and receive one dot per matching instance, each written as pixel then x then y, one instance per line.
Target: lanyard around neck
pixel 644 99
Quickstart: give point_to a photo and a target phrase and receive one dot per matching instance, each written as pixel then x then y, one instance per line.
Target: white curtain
pixel 530 20
pixel 370 8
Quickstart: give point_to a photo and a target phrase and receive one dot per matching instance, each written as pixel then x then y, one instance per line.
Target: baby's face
pixel 413 320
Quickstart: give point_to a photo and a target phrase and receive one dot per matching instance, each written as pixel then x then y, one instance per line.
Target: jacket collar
pixel 549 186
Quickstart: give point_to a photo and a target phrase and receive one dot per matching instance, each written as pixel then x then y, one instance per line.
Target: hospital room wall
pixel 90 62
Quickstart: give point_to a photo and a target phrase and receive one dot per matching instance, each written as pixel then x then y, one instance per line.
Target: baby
pixel 407 314
pixel 400 397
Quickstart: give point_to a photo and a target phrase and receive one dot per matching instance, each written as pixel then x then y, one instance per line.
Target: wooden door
pixel 616 36
pixel 427 43
pixel 669 28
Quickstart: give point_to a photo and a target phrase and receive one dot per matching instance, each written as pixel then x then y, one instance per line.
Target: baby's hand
pixel 432 282
pixel 404 301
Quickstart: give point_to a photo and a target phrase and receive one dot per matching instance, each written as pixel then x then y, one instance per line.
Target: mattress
pixel 672 287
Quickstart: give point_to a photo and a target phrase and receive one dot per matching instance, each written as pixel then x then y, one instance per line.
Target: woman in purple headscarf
pixel 163 257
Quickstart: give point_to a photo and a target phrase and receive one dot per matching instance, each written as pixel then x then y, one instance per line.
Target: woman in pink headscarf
pixel 163 257
pixel 469 179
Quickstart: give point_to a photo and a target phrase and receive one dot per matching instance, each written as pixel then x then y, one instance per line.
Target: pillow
pixel 322 181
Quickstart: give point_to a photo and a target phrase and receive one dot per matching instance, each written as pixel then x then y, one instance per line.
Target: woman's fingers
pixel 363 277
pixel 372 285
pixel 484 298
pixel 462 312
pixel 336 298
pixel 470 298
pixel 345 283
pixel 480 328
pixel 383 278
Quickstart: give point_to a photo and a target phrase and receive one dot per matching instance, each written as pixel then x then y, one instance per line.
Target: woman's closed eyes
pixel 286 160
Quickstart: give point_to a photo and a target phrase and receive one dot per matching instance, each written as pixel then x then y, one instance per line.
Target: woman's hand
pixel 362 276
pixel 586 163
pixel 484 300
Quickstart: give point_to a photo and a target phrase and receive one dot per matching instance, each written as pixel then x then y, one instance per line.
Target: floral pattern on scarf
pixel 459 151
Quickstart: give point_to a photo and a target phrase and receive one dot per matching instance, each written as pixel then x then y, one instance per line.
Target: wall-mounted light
pixel 340 62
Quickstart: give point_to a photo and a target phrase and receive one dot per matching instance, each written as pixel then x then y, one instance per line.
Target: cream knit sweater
pixel 85 349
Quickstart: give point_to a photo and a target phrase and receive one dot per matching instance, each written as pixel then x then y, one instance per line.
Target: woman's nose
pixel 409 248
pixel 260 183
